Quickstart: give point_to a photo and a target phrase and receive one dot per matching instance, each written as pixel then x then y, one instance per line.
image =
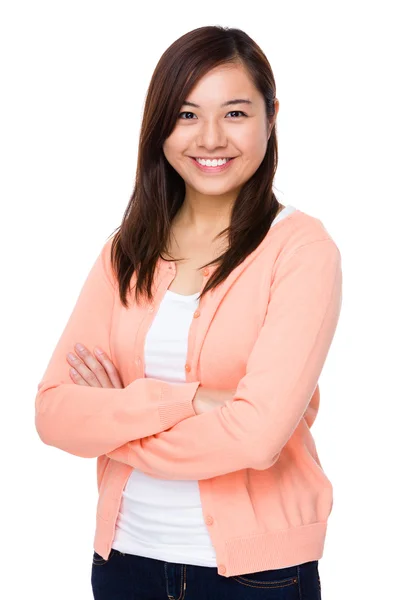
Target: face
pixel 211 125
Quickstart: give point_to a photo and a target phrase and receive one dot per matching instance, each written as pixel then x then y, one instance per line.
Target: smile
pixel 207 168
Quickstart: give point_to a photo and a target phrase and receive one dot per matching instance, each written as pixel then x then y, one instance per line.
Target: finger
pixel 83 369
pixel 97 370
pixel 76 377
pixel 109 367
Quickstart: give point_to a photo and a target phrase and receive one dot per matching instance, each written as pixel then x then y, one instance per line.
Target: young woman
pixel 189 366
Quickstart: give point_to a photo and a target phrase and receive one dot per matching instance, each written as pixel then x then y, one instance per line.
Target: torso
pixel 197 251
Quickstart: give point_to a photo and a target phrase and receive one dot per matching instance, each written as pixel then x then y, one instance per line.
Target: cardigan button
pixel 187 368
pixel 209 520
pixel 196 314
pixel 221 569
pixel 206 271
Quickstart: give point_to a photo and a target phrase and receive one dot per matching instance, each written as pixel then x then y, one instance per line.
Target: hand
pixel 94 370
pixel 206 399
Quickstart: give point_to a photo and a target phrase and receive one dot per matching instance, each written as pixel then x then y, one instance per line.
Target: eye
pixel 191 113
pixel 238 111
pixel 185 113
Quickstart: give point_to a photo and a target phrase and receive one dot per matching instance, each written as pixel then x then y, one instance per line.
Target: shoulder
pixel 300 230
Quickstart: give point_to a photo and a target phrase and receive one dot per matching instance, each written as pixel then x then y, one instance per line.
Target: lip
pixel 212 170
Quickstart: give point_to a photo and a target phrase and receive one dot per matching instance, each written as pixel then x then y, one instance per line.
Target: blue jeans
pixel 131 577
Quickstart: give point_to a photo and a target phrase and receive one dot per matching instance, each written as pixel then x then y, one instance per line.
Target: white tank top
pixel 159 518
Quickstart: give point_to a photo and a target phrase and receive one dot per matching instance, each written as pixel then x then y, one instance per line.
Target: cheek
pixel 252 143
pixel 253 154
pixel 177 141
pixel 257 149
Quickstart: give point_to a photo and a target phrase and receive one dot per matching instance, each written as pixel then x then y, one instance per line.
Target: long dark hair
pixel 159 191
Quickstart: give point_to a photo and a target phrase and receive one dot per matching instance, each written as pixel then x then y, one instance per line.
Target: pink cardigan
pixel 266 332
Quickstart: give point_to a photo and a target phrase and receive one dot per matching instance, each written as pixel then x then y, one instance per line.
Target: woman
pixel 196 387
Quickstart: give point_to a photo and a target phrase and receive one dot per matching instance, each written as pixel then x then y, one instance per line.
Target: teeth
pixel 212 163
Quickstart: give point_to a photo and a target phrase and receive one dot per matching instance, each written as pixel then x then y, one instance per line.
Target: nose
pixel 211 135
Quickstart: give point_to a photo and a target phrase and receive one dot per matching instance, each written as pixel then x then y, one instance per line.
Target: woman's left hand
pixel 94 370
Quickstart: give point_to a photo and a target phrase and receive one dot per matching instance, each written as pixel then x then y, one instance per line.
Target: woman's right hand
pixel 207 399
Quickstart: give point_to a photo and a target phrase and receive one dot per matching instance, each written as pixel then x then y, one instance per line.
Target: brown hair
pixel 159 191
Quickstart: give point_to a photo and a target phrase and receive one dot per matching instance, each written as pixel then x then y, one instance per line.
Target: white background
pixel 74 76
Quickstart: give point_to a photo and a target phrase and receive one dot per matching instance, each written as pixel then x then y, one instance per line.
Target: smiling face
pixel 224 116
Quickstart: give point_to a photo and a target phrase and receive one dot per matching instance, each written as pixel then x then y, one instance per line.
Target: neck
pixel 205 214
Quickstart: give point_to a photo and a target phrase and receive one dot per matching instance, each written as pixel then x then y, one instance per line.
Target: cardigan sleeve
pixel 250 430
pixel 91 421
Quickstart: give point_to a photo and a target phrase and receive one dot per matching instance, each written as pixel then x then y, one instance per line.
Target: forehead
pixel 224 83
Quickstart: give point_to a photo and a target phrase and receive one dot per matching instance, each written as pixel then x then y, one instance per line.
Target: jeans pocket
pixel 98 560
pixel 271 579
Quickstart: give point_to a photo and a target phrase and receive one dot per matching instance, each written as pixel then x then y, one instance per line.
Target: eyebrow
pixel 228 103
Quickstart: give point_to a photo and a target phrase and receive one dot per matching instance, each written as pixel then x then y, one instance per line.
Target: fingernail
pixel 99 351
pixel 79 347
pixel 71 356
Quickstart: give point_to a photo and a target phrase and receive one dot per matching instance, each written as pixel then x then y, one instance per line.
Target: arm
pixel 90 421
pixel 283 369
